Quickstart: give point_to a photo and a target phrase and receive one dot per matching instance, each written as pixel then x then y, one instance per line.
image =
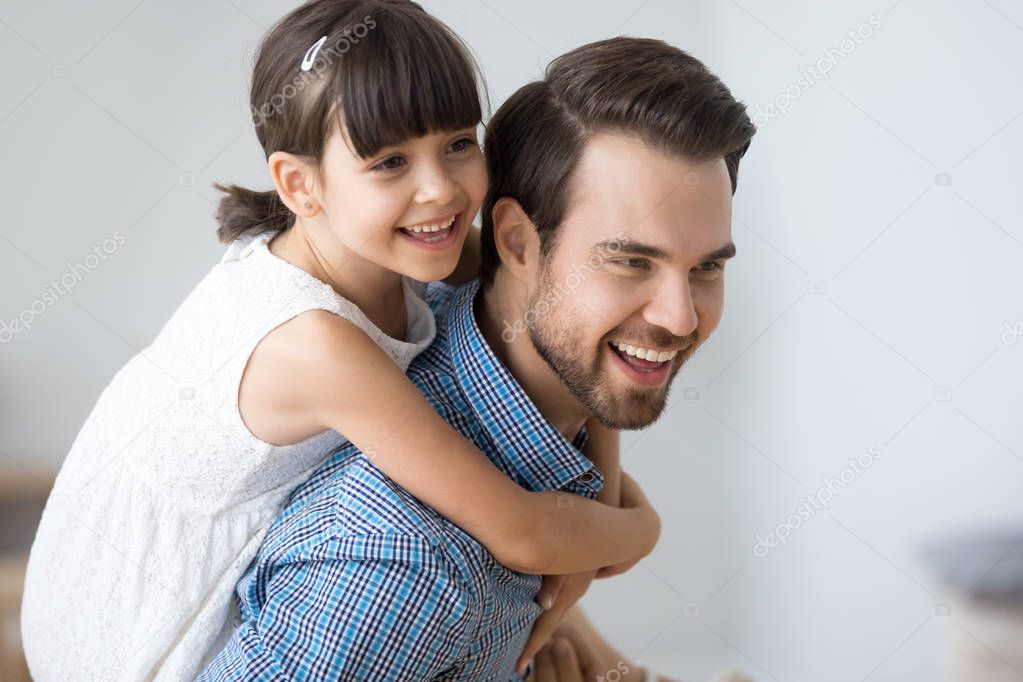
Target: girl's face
pixel 408 207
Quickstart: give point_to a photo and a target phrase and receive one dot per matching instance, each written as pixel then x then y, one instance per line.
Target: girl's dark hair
pixel 636 86
pixel 387 72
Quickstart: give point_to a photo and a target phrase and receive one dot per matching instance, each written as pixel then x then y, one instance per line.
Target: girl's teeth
pixel 647 354
pixel 434 227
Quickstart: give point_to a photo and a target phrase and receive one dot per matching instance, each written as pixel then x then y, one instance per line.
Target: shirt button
pixel 587 477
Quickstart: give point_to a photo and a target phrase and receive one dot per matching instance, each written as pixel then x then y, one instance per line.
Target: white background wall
pixel 880 247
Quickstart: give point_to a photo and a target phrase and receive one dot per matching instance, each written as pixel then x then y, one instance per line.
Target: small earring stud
pixel 307 205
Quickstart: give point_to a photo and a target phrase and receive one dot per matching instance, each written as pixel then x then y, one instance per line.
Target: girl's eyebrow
pixel 399 145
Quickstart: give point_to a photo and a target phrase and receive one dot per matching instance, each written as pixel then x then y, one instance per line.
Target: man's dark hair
pixel 636 86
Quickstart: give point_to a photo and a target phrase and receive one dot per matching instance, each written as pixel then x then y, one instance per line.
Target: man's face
pixel 636 270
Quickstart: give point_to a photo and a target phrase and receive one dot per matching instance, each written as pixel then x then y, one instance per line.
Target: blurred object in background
pixel 22 497
pixel 982 574
pixel 732 675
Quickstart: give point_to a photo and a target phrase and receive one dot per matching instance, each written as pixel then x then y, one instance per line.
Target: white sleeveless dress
pixel 165 495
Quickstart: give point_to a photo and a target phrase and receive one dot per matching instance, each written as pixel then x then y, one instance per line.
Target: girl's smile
pixel 436 234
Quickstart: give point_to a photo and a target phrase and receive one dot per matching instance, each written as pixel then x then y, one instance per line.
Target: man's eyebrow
pixel 726 251
pixel 630 247
pixel 640 249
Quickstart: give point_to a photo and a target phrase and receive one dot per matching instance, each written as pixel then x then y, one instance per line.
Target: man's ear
pixel 515 238
pixel 294 179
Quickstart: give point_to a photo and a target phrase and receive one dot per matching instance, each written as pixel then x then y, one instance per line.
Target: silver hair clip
pixel 310 55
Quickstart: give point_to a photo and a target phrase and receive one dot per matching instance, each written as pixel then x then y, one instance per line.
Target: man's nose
pixel 672 308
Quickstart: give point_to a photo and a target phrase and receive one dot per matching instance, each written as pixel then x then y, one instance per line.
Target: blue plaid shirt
pixel 358 580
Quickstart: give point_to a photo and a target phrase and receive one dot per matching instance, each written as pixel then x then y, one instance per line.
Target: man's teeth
pixel 431 227
pixel 647 354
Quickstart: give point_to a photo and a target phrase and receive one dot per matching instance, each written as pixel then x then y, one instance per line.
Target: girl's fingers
pixel 566 662
pixel 550 588
pixel 544 670
pixel 632 495
pixel 542 629
pixel 616 569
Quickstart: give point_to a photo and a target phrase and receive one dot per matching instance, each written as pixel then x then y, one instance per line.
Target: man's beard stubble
pixel 558 341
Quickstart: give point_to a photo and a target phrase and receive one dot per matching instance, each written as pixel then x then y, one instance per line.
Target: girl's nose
pixel 436 187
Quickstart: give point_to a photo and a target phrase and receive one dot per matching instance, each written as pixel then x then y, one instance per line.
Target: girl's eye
pixel 463 144
pixel 391 163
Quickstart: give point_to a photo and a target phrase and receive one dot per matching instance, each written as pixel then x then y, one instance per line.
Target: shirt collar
pixel 528 447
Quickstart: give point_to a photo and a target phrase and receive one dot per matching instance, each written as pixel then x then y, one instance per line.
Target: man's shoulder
pixel 351 511
pixel 433 371
pixel 347 497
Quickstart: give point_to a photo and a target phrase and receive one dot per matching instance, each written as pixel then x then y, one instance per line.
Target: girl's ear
pixel 516 240
pixel 293 178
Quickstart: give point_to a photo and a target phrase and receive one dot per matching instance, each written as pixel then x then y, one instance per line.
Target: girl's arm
pixel 603 448
pixel 468 261
pixel 322 371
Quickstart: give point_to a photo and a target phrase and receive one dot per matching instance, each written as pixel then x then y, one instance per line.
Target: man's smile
pixel 638 369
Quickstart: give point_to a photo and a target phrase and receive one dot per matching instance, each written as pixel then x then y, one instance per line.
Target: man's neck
pixel 494 312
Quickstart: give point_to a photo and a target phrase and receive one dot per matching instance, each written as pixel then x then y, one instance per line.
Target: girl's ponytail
pixel 244 211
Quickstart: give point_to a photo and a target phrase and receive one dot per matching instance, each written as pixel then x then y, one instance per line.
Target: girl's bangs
pixel 407 77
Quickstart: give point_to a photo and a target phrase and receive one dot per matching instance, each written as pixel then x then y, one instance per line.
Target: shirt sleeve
pixel 372 619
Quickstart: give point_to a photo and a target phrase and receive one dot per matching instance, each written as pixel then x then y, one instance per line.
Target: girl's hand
pixel 632 496
pixel 617 569
pixel 578 653
pixel 649 525
pixel 565 591
pixel 550 588
pixel 573 586
pixel 558 661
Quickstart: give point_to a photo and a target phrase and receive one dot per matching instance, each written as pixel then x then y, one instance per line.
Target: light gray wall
pixel 877 221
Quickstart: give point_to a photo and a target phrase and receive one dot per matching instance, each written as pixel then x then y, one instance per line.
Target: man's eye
pixel 711 267
pixel 463 144
pixel 391 163
pixel 634 263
